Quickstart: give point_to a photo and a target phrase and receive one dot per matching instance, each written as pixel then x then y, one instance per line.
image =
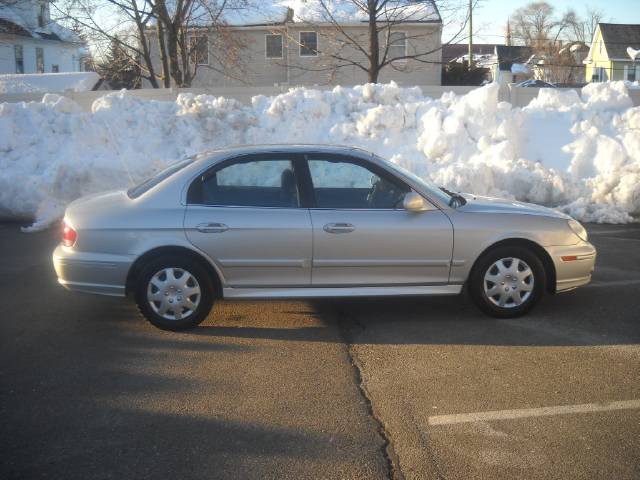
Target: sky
pixel 490 16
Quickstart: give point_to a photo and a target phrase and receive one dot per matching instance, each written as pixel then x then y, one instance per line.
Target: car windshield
pixel 149 183
pixel 428 185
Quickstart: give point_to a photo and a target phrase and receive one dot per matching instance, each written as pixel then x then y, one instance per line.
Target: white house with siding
pixel 289 43
pixel 30 42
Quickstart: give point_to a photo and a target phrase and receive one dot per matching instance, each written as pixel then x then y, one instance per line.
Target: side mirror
pixel 414 202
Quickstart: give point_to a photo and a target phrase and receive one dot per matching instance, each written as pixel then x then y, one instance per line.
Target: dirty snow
pixel 579 154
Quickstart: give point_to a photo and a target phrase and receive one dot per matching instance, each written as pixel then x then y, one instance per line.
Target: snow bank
pixel 48 82
pixel 580 155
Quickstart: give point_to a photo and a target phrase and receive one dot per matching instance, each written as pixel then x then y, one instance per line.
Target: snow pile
pixel 579 154
pixel 48 82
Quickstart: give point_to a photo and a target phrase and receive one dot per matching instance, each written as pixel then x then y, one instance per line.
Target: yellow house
pixel 610 54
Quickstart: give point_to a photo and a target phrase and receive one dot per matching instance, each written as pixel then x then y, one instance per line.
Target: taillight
pixel 69 235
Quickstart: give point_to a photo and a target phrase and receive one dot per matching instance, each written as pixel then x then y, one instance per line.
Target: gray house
pixel 280 47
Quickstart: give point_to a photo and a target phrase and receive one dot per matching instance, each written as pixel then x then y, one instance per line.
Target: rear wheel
pixel 507 282
pixel 174 293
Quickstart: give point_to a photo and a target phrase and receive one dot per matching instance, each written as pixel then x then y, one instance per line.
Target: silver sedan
pixel 301 221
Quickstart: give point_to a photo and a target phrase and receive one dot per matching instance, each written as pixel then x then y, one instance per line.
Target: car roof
pixel 237 150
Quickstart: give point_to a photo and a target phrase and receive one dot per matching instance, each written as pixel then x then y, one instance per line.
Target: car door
pixel 245 214
pixel 363 236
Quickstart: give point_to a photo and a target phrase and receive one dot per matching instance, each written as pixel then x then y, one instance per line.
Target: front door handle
pixel 212 227
pixel 338 228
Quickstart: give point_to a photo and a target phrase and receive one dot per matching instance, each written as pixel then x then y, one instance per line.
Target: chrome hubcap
pixel 508 282
pixel 173 293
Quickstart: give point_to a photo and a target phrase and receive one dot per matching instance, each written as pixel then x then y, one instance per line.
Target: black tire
pixel 476 283
pixel 205 300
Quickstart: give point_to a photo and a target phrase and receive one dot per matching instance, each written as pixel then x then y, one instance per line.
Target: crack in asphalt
pixel 346 326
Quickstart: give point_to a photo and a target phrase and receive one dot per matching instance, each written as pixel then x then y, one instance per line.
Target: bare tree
pixel 194 29
pixel 582 29
pixel 177 27
pixel 107 23
pixel 558 43
pixel 535 24
pixel 385 44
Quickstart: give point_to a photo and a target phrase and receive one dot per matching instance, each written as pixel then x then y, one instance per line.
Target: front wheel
pixel 174 293
pixel 507 282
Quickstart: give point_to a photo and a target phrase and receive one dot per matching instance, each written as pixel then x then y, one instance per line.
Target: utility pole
pixel 470 63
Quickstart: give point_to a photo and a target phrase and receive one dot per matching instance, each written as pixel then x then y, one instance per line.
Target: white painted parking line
pixel 532 412
pixel 613 283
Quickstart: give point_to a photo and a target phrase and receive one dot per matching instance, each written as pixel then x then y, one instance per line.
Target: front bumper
pixel 574 265
pixel 100 273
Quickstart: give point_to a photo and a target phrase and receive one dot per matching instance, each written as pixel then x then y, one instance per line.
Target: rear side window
pixel 344 184
pixel 149 183
pixel 258 183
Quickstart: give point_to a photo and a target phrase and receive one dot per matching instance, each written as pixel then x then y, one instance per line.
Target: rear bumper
pixel 100 273
pixel 574 265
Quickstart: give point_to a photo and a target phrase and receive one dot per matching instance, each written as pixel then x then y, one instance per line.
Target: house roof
pixel 276 12
pixel 507 55
pixel 13 22
pixel 618 36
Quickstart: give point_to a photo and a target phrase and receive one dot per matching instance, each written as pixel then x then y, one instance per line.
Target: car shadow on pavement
pixel 91 390
pixel 572 319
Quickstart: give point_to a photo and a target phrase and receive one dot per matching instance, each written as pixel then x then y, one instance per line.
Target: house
pixel 31 43
pixel 281 47
pixel 511 64
pixel 609 56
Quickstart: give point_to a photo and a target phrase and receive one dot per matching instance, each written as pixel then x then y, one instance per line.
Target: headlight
pixel 578 229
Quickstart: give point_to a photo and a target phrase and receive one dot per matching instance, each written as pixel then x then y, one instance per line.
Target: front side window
pixel 426 184
pixel 19 56
pixel 273 46
pixel 344 184
pixel 39 60
pixel 397 45
pixel 55 68
pixel 308 44
pixel 199 49
pixel 246 183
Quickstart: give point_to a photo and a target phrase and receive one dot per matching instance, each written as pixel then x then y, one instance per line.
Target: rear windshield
pixel 149 183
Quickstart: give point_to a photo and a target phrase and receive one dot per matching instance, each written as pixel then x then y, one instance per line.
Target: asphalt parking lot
pixel 396 388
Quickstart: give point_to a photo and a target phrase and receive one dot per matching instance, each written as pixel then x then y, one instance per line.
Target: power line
pixel 563 40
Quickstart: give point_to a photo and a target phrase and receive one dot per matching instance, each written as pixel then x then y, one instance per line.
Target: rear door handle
pixel 338 228
pixel 212 227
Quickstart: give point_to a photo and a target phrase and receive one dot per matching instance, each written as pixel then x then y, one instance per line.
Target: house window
pixel 631 73
pixel 17 51
pixel 55 69
pixel 39 60
pixel 308 44
pixel 602 74
pixel 273 46
pixel 42 15
pixel 199 49
pixel 397 45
